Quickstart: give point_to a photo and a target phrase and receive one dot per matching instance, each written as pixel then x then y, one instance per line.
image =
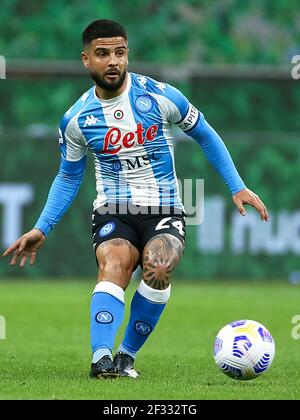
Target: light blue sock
pixel 107 311
pixel 146 308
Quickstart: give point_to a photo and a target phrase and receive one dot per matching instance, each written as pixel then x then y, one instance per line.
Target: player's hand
pixel 26 246
pixel 249 197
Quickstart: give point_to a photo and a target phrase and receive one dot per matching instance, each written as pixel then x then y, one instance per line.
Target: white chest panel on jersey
pixel 130 137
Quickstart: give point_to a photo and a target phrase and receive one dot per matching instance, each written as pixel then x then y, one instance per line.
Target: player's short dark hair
pixel 102 28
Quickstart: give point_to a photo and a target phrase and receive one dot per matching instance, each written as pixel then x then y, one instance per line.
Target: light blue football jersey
pixel 130 137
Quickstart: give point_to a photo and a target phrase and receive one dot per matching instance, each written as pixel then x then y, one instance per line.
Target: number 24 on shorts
pixel 163 224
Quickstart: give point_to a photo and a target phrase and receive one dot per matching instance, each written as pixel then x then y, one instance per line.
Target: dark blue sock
pixel 146 308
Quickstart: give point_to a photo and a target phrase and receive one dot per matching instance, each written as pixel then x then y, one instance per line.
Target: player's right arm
pixel 62 193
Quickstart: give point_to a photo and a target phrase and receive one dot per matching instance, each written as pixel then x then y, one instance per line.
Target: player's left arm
pixel 219 156
pixel 193 123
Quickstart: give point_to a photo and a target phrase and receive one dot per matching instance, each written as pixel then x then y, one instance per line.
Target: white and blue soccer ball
pixel 244 349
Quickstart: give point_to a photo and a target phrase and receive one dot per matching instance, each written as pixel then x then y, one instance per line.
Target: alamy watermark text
pixel 295 72
pixel 2 67
pixel 2 328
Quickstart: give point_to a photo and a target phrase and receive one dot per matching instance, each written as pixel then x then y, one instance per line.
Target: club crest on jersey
pixel 144 103
pixel 114 140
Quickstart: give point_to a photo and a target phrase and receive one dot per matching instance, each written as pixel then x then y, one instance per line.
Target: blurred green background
pixel 232 59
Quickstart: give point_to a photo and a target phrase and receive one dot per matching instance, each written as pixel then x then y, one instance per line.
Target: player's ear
pixel 85 59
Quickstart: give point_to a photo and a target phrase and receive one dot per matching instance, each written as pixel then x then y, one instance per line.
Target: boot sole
pixel 107 375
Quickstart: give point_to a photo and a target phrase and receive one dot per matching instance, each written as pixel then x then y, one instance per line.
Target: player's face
pixel 107 60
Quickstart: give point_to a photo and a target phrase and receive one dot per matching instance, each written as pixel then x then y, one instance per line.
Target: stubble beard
pixel 110 86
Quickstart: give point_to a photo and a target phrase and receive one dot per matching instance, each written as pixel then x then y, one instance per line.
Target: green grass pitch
pixel 46 352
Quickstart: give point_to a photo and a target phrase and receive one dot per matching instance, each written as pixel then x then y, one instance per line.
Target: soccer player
pixel 125 121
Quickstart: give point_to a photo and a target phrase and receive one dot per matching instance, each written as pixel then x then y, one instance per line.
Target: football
pixel 244 349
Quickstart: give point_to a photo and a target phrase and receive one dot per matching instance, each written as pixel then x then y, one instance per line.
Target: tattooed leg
pixel 160 257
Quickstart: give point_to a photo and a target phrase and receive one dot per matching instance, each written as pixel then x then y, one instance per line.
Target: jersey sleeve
pixel 190 120
pixel 68 179
pixel 180 111
pixel 216 153
pixel 71 140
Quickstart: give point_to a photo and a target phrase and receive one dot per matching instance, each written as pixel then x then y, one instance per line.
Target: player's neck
pixel 107 94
